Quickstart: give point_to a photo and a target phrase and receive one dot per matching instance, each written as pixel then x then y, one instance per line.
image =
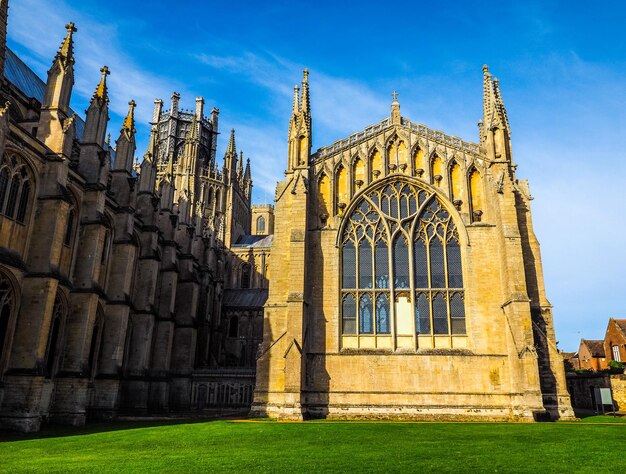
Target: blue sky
pixel 561 65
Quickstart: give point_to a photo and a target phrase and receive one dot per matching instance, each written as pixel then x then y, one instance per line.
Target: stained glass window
pixel 422 314
pixel 349 265
pixel 349 314
pixel 404 225
pixel 365 264
pixel 365 315
pixel 401 263
pixel 382 314
pixel 382 265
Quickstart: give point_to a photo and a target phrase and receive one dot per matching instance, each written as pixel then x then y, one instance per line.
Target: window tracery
pixel 15 188
pixel 400 242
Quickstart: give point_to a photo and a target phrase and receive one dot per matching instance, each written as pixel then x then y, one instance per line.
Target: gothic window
pixel 233 327
pixel 15 189
pixel 69 227
pixel 96 340
pixel 7 308
pixel 260 225
pixel 59 315
pixel 398 241
pixel 245 276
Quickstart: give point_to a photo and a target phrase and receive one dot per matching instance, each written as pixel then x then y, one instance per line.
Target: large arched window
pixel 15 189
pixel 401 265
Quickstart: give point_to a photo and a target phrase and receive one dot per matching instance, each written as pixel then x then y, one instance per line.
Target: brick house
pixel 615 340
pixel 591 354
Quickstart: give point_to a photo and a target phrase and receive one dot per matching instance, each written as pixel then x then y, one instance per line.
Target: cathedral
pixel 406 278
pixel 405 281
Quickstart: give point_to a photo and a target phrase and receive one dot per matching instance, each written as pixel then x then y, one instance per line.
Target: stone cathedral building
pixel 113 273
pixel 405 276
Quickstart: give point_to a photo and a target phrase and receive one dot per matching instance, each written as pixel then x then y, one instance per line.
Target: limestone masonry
pixel 406 278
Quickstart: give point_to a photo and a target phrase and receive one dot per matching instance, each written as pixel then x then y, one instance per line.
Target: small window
pixel 233 327
pixel 616 356
pixel 260 225
pixel 245 276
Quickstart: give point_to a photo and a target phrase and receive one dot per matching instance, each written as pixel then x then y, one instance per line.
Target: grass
pixel 266 446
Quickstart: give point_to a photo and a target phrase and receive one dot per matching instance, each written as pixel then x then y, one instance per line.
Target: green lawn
pixel 265 446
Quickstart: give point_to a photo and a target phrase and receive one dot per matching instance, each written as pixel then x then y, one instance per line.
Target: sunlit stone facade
pixel 406 278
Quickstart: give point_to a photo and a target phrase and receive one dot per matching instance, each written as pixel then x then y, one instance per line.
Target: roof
pixel 254 241
pixel 595 347
pixel 31 85
pixel 248 298
pixel 569 355
pixel 621 323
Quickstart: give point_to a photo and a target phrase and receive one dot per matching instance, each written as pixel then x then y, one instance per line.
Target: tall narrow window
pixel 21 210
pixel 422 314
pixel 7 302
pixel 9 210
pixel 245 276
pixel 4 184
pixel 349 314
pixel 401 263
pixel 440 314
pixel 382 314
pixel 437 271
pixel 420 261
pixel 365 315
pixel 349 265
pixel 59 313
pixel 69 228
pixel 382 265
pixel 365 264
pixel 233 327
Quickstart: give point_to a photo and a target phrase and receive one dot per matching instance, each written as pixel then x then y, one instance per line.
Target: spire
pixel 232 149
pixel 192 135
pixel 97 115
pixel 487 97
pixel 494 112
pixel 240 167
pixel 499 103
pixel 125 149
pixel 305 101
pixel 247 175
pixel 295 109
pixel 101 92
pixel 66 51
pixel 61 76
pixel 128 125
pixel 299 148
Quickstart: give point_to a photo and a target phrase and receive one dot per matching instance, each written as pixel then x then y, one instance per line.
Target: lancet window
pixel 400 242
pixel 7 309
pixel 15 189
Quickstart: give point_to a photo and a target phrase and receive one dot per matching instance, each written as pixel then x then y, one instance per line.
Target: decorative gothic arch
pixel 401 263
pixel 17 187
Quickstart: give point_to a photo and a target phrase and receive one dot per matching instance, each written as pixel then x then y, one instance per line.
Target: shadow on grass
pixel 50 430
